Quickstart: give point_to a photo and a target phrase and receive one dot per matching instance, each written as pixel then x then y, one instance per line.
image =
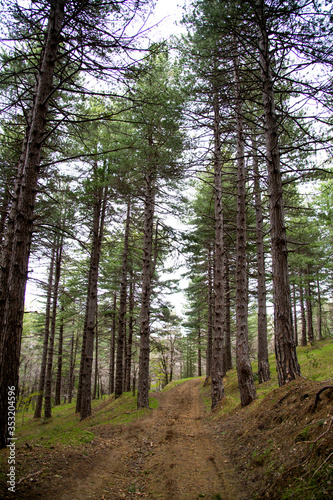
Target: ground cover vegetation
pixel 107 137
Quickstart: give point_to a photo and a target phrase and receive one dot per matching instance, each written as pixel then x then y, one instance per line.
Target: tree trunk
pixel 112 346
pixel 90 323
pixel 217 355
pixel 130 335
pixel 59 367
pixel 143 383
pixel 320 334
pixel 41 384
pixel 17 241
pixel 285 349
pixel 227 330
pixel 303 319
pixel 244 369
pixel 96 358
pixel 263 365
pixel 48 381
pixel 4 214
pixel 308 302
pixel 199 346
pixel 122 309
pixel 70 371
pixel 295 315
pixel 210 316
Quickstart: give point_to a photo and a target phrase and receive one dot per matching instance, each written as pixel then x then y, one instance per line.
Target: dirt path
pixel 171 455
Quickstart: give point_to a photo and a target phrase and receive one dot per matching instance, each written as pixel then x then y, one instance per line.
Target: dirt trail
pixel 171 455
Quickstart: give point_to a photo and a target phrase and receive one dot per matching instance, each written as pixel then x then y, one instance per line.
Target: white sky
pixel 167 13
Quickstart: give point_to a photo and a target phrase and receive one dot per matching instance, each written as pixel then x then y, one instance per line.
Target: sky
pixel 167 13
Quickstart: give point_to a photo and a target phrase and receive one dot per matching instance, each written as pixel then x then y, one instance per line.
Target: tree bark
pixel 90 323
pixel 70 371
pixel 263 365
pixel 308 302
pixel 244 370
pixel 96 359
pixel 59 367
pixel 48 380
pixel 122 308
pixel 285 349
pixel 199 347
pixel 303 318
pixel 4 214
pixel 295 315
pixel 112 346
pixel 210 316
pixel 143 383
pixel 17 241
pixel 41 384
pixel 217 355
pixel 227 330
pixel 130 334
pixel 320 334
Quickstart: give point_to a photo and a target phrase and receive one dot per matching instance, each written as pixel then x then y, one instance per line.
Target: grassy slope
pixel 275 442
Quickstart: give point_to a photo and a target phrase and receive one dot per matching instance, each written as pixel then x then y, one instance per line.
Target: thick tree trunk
pixel 4 210
pixel 17 241
pixel 244 369
pixel 122 309
pixel 41 384
pixel 143 383
pixel 48 380
pixel 217 355
pixel 285 349
pixel 59 367
pixel 263 365
pixel 210 316
pixel 98 226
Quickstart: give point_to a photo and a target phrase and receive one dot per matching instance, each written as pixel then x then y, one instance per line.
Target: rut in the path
pixel 187 464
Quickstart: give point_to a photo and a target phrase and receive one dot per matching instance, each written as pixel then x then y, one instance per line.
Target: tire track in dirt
pixel 185 462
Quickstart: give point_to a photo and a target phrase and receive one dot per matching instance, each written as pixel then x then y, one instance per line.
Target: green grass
pixel 65 428
pixel 174 383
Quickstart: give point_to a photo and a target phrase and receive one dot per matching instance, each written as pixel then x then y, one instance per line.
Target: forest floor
pixel 169 454
pixel 279 447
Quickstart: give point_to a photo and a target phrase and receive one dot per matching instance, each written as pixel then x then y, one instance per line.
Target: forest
pixel 166 202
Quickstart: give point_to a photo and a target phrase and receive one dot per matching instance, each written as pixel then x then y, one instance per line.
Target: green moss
pixel 318 486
